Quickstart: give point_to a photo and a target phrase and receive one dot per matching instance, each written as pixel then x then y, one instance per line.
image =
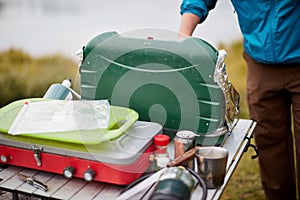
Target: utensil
pixel 33 182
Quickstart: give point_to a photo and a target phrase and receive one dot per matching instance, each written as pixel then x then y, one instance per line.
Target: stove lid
pixel 121 151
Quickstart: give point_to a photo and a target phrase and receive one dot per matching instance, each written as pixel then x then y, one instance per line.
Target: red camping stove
pixel 120 161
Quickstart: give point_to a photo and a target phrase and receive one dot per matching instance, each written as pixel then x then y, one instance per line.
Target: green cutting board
pixel 121 119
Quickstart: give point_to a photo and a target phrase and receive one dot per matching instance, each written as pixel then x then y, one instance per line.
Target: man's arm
pixel 194 12
pixel 188 23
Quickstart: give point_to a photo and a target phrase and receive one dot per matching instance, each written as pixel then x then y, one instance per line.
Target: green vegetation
pixel 22 76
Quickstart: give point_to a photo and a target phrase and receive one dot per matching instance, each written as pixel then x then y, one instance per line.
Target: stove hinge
pixel 37 154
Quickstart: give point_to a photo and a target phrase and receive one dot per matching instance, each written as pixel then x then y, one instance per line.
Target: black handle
pixel 201 183
pixel 252 146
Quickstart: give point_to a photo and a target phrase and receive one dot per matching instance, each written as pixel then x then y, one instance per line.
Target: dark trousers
pixel 273 94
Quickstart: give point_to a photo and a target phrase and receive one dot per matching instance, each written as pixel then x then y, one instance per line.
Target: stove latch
pixel 37 154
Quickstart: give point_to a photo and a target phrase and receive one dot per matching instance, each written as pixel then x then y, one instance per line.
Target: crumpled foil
pixel 232 97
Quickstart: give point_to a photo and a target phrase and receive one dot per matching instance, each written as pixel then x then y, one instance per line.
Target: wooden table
pixel 61 188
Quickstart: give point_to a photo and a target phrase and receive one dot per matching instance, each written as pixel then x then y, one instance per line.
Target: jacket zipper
pixel 272 32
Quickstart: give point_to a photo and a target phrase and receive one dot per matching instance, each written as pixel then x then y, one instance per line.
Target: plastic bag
pixel 61 116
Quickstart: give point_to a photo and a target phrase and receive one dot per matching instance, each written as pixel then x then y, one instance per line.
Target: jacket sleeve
pixel 197 7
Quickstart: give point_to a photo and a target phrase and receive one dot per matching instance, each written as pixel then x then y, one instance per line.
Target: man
pixel 271 31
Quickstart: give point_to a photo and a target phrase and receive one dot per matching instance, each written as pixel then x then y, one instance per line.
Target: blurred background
pixel 39 39
pixel 63 26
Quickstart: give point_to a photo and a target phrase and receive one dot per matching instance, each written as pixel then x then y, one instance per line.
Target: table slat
pixel 109 192
pixel 54 184
pixel 89 191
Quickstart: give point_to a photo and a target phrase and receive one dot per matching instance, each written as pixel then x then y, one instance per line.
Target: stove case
pixel 119 161
pixel 165 79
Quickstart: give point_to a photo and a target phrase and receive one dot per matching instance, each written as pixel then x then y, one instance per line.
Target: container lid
pixel 131 65
pixel 186 134
pixel 161 140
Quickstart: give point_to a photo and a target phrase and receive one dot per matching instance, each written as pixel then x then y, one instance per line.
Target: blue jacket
pixel 271 28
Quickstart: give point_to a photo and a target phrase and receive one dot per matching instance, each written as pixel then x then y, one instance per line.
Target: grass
pixel 22 76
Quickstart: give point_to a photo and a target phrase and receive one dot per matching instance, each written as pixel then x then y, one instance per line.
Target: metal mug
pixel 211 165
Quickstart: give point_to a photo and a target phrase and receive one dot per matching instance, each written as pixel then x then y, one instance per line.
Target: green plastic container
pixel 170 82
pixel 115 128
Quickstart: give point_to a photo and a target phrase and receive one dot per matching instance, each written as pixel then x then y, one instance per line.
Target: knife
pixel 33 182
pixel 190 154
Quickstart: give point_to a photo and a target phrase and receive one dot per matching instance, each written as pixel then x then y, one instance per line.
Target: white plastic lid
pixel 162 161
pixel 66 83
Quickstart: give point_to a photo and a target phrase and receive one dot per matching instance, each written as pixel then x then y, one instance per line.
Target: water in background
pixel 43 27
